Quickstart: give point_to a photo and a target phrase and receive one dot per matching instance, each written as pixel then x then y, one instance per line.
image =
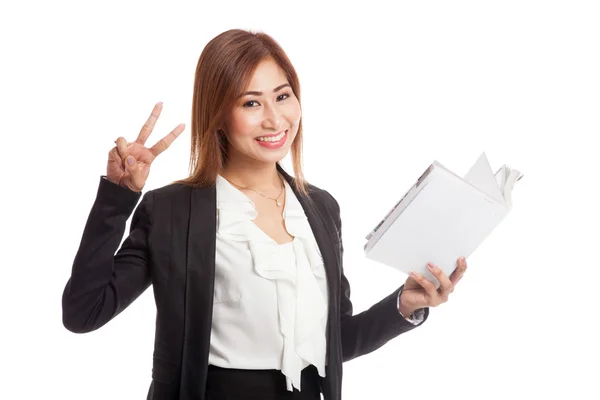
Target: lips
pixel 268 136
pixel 274 143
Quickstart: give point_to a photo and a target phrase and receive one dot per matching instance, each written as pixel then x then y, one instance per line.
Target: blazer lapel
pixel 199 288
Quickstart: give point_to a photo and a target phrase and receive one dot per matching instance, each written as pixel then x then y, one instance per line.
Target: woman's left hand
pixel 420 292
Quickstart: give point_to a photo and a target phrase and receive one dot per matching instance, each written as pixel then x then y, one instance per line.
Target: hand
pixel 419 292
pixel 129 163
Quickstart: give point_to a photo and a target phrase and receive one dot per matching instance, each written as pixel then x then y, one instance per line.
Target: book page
pixel 481 176
pixel 506 178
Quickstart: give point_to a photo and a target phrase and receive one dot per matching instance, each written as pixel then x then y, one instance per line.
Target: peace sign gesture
pixel 129 163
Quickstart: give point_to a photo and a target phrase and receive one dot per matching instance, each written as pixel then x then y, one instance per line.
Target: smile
pixel 271 138
pixel 272 142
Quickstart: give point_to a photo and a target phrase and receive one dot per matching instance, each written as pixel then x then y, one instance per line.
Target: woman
pixel 245 260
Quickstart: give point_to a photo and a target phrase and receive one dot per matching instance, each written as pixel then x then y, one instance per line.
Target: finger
pixel 457 274
pixel 149 125
pixel 122 149
pixel 114 160
pixel 446 286
pixel 137 180
pixel 429 287
pixel 165 142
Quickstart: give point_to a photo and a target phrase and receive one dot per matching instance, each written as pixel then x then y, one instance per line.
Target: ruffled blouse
pixel 270 308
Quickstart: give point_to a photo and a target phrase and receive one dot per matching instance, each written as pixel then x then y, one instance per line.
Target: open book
pixel 442 217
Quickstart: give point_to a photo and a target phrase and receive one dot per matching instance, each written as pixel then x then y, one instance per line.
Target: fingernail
pixel 130 160
pixel 431 266
pixel 415 276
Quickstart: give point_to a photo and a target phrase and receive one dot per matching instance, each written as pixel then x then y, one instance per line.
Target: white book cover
pixel 442 217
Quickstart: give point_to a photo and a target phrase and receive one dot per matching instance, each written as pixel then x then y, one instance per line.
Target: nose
pixel 272 117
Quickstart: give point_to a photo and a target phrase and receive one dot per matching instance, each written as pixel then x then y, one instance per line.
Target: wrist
pixel 404 309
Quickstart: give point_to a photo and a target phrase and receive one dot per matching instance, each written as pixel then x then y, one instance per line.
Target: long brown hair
pixel 223 72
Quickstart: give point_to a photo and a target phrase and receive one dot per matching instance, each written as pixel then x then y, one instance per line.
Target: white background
pixel 385 91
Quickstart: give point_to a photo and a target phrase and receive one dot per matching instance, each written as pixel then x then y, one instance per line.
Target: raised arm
pixel 102 283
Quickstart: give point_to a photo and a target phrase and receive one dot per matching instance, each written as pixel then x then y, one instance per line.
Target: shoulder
pixel 178 190
pixel 325 200
pixel 325 197
pixel 172 189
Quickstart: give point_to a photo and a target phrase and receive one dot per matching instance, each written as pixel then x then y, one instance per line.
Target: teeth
pixel 272 138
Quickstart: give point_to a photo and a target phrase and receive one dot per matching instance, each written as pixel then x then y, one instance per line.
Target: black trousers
pixel 244 384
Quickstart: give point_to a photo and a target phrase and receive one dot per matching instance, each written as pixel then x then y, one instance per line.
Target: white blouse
pixel 270 300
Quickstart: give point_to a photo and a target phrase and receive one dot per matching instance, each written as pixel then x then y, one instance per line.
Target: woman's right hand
pixel 129 163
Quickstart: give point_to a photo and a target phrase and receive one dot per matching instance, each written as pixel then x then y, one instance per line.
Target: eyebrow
pixel 255 93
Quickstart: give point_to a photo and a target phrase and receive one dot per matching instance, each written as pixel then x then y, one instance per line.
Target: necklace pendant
pixel 278 203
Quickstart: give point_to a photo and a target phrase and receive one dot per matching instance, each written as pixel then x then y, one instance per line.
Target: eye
pixel 281 97
pixel 248 103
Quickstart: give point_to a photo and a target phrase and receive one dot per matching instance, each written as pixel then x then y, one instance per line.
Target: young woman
pixel 245 260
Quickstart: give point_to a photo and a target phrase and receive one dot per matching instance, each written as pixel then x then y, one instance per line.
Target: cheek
pixel 295 114
pixel 243 124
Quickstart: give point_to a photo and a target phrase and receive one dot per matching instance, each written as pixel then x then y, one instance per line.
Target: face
pixel 269 110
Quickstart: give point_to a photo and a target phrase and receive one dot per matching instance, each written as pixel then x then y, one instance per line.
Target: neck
pixel 258 177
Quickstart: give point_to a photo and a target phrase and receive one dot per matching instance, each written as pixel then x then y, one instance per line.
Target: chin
pixel 272 158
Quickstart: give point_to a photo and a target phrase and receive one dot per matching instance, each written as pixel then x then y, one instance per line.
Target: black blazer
pixel 171 246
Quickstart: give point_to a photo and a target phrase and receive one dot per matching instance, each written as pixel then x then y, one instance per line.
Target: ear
pixel 222 136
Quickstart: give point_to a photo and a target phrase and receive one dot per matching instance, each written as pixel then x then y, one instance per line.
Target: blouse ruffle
pixel 300 299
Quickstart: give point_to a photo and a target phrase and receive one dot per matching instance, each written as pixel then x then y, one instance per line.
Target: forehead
pixel 267 76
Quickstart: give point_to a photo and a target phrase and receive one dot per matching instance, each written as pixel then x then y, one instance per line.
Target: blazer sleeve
pixel 102 283
pixel 369 330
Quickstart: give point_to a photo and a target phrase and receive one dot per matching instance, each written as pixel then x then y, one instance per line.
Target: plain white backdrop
pixel 386 89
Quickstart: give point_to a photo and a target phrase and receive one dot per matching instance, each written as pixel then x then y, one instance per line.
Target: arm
pixel 365 332
pixel 102 283
pixel 369 330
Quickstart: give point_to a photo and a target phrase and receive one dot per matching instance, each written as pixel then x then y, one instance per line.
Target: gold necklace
pixel 270 198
